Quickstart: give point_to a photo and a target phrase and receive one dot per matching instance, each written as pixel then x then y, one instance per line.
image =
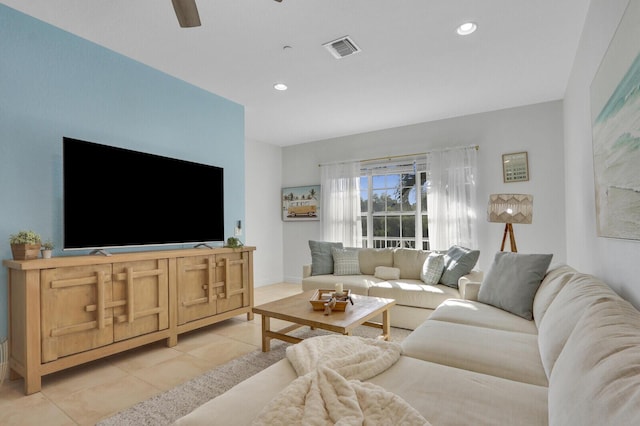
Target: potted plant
pixel 233 242
pixel 25 245
pixel 47 248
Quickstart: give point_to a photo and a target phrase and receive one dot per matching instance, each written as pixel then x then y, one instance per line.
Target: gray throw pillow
pixel 458 261
pixel 513 280
pixel 345 261
pixel 321 257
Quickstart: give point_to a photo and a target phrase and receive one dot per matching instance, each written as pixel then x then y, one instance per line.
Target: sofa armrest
pixel 469 285
pixel 306 271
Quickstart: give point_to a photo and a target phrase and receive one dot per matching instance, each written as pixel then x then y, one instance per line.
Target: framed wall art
pixel 615 118
pixel 301 203
pixel 515 167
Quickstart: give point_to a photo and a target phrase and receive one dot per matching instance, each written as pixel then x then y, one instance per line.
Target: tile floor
pixel 88 393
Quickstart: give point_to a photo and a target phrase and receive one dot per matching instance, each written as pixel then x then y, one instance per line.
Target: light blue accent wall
pixel 54 84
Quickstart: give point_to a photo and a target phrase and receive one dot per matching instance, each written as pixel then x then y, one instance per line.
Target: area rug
pixel 166 407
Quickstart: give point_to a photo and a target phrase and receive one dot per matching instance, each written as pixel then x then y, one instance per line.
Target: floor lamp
pixel 510 209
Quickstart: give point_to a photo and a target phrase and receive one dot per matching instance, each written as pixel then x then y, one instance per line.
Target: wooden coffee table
pixel 298 310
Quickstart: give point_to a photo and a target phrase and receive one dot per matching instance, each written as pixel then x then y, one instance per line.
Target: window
pixel 393 201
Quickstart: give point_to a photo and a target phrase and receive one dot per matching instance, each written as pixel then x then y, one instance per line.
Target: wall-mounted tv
pixel 115 197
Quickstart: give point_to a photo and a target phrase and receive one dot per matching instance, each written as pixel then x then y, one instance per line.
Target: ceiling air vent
pixel 342 47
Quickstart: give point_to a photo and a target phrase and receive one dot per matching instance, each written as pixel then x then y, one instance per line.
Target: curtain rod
pixel 393 157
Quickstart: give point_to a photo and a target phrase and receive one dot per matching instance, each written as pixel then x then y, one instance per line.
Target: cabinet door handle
pixel 211 278
pixel 130 304
pixel 101 301
pixel 226 277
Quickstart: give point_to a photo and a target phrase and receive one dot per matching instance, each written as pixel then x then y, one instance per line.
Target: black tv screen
pixel 115 197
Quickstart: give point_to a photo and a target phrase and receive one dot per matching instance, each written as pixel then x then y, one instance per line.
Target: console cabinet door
pixel 140 298
pixel 75 312
pixel 199 283
pixel 233 268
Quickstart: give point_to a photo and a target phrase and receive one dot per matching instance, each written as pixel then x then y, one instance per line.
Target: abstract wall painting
pixel 615 109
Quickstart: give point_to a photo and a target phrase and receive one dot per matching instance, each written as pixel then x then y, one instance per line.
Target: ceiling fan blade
pixel 187 13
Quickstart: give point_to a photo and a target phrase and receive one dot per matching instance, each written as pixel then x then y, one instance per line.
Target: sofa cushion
pixel 432 269
pixel 565 311
pixel 551 285
pixel 499 353
pixel 481 315
pixel 387 273
pixel 513 280
pixel 443 395
pixel 595 379
pixel 345 261
pixel 458 261
pixel 413 293
pixel 410 262
pixel 321 257
pixel 451 396
pixel 369 258
pixel 358 284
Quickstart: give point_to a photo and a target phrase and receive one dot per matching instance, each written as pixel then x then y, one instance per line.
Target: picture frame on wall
pixel 300 203
pixel 515 167
pixel 615 114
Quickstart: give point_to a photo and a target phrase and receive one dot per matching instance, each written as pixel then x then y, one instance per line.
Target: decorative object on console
pixel 515 167
pixel 615 115
pixel 509 209
pixel 233 242
pixel 47 248
pixel 25 245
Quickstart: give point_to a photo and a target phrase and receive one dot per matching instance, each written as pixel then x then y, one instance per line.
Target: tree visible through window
pixel 394 208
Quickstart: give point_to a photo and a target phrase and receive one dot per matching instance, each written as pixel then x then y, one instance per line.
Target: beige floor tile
pixel 144 357
pixel 175 371
pixel 62 383
pixel 88 406
pixel 222 349
pixel 20 410
pixel 248 331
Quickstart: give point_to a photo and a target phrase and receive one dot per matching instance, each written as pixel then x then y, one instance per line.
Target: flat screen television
pixel 115 197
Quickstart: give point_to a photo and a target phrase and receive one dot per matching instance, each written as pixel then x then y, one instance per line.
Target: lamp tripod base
pixel 508 229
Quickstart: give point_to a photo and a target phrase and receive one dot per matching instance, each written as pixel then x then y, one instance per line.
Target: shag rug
pixel 166 407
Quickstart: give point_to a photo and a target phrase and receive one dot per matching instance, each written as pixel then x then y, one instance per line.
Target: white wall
pixel 537 129
pixel 263 228
pixel 615 261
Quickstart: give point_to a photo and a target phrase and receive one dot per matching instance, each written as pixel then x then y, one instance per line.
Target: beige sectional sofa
pixel 577 362
pixel 415 299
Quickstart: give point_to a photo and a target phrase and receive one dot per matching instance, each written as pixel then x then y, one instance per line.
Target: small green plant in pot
pixel 47 248
pixel 25 245
pixel 233 242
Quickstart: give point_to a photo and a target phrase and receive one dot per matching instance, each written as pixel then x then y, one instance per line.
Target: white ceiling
pixel 413 66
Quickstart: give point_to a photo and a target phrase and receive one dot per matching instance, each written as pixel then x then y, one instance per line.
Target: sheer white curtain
pixel 340 201
pixel 451 198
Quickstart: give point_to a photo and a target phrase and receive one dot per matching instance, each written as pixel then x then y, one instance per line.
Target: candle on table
pixel 338 287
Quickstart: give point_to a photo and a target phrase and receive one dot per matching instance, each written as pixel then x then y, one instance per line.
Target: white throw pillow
pixel 432 269
pixel 387 273
pixel 345 261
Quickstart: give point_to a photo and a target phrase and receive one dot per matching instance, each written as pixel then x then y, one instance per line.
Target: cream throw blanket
pixel 329 390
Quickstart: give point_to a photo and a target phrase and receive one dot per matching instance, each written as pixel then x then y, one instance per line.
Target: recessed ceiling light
pixel 467 28
pixel 280 86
